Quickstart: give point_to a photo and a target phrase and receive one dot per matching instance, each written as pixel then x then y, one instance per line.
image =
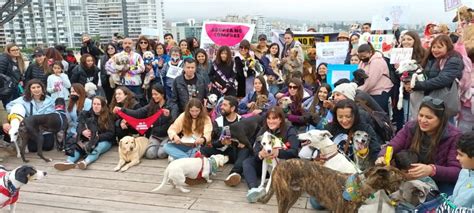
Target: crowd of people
pixel 279 83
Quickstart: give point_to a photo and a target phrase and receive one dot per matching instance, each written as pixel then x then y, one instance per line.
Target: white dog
pixel 17 114
pixel 13 181
pixel 178 170
pixel 121 62
pixel 90 89
pixel 148 59
pixel 410 67
pixel 269 143
pixel 320 139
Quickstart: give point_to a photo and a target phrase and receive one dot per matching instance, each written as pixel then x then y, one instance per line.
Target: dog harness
pixel 143 124
pixel 9 190
pixel 212 167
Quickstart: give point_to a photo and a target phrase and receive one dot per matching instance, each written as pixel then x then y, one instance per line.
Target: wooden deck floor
pixel 100 189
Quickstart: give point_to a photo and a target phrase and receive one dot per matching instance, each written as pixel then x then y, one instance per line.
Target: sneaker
pixel 196 181
pixel 63 166
pixel 254 194
pixel 82 165
pixel 233 179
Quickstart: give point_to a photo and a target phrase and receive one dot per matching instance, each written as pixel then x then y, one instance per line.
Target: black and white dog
pixel 33 127
pixel 244 129
pixel 13 180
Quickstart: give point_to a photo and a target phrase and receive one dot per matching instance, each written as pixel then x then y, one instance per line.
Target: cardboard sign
pixel 451 4
pixel 398 55
pixel 382 43
pixel 340 71
pixel 332 52
pixel 225 34
pixel 382 22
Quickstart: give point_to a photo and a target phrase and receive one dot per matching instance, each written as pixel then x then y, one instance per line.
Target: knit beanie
pixel 347 89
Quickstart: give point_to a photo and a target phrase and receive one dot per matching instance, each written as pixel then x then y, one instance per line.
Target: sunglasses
pixel 143 42
pixel 435 101
pixel 293 87
pixel 243 48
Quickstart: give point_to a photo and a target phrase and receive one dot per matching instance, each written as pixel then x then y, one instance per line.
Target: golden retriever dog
pixel 131 150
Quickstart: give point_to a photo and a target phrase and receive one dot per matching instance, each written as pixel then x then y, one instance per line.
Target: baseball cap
pixel 262 36
pixel 38 52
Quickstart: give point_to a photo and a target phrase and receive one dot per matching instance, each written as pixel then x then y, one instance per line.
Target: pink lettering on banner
pixel 225 34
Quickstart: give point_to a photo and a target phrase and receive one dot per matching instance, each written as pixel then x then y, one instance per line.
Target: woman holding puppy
pixel 158 132
pixel 250 100
pixel 94 124
pixel 275 124
pixel 434 140
pixel 189 131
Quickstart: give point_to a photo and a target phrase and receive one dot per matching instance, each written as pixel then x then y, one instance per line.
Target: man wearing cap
pixel 378 84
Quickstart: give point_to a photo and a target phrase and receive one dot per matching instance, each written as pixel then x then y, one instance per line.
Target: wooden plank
pixel 71 203
pixel 235 207
pixel 26 207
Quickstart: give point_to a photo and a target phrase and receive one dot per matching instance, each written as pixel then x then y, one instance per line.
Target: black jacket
pixel 90 117
pixel 161 125
pixel 437 78
pixel 230 82
pixel 180 96
pixel 289 137
pixel 6 67
pixel 35 71
pixel 81 75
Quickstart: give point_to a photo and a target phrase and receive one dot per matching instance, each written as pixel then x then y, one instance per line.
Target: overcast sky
pixel 317 10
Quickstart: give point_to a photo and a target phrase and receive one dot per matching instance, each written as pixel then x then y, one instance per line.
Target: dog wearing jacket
pixel 16 116
pixel 180 169
pixel 13 181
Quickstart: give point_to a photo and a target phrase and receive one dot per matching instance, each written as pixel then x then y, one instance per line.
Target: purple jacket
pixel 447 167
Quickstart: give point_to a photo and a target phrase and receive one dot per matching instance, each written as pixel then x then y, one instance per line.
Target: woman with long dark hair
pixel 78 102
pixel 222 75
pixel 39 69
pixel 104 78
pixel 204 64
pixel 124 98
pixel 12 65
pixel 249 101
pixel 85 72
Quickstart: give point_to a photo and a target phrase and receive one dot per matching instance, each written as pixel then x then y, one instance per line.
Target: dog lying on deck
pixel 131 150
pixel 295 176
pixel 33 127
pixel 16 116
pixel 13 181
pixel 178 170
pixel 328 152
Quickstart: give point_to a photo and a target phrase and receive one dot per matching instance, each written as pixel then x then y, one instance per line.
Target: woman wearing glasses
pixel 434 140
pixel 295 110
pixel 143 45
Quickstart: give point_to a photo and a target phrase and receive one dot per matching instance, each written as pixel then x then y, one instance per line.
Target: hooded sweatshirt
pixel 377 70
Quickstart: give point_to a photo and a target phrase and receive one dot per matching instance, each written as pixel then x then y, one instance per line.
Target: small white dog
pixel 148 59
pixel 178 170
pixel 90 89
pixel 269 143
pixel 120 63
pixel 13 181
pixel 17 114
pixel 409 67
pixel 320 139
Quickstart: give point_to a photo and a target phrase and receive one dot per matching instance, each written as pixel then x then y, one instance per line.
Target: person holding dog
pixel 434 140
pixel 191 130
pixel 96 136
pixel 252 167
pixel 158 133
pixel 36 102
pixel 250 100
pixel 222 144
pixel 125 99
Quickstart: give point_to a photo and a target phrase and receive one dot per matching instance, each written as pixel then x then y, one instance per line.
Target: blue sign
pixel 340 71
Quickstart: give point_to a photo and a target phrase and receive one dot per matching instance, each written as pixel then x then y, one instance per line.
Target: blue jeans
pixel 177 151
pixel 101 148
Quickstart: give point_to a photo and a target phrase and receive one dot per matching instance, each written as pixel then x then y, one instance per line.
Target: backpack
pixel 392 72
pixel 6 86
pixel 465 82
pixel 381 123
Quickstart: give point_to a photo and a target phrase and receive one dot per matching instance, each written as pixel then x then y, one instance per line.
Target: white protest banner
pixel 382 22
pixel 150 31
pixel 382 43
pixel 399 13
pixel 400 54
pixel 451 4
pixel 225 33
pixel 340 71
pixel 332 52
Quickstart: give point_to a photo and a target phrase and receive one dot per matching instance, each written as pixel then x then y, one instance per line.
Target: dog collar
pixel 326 153
pixel 363 153
pixel 14 116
